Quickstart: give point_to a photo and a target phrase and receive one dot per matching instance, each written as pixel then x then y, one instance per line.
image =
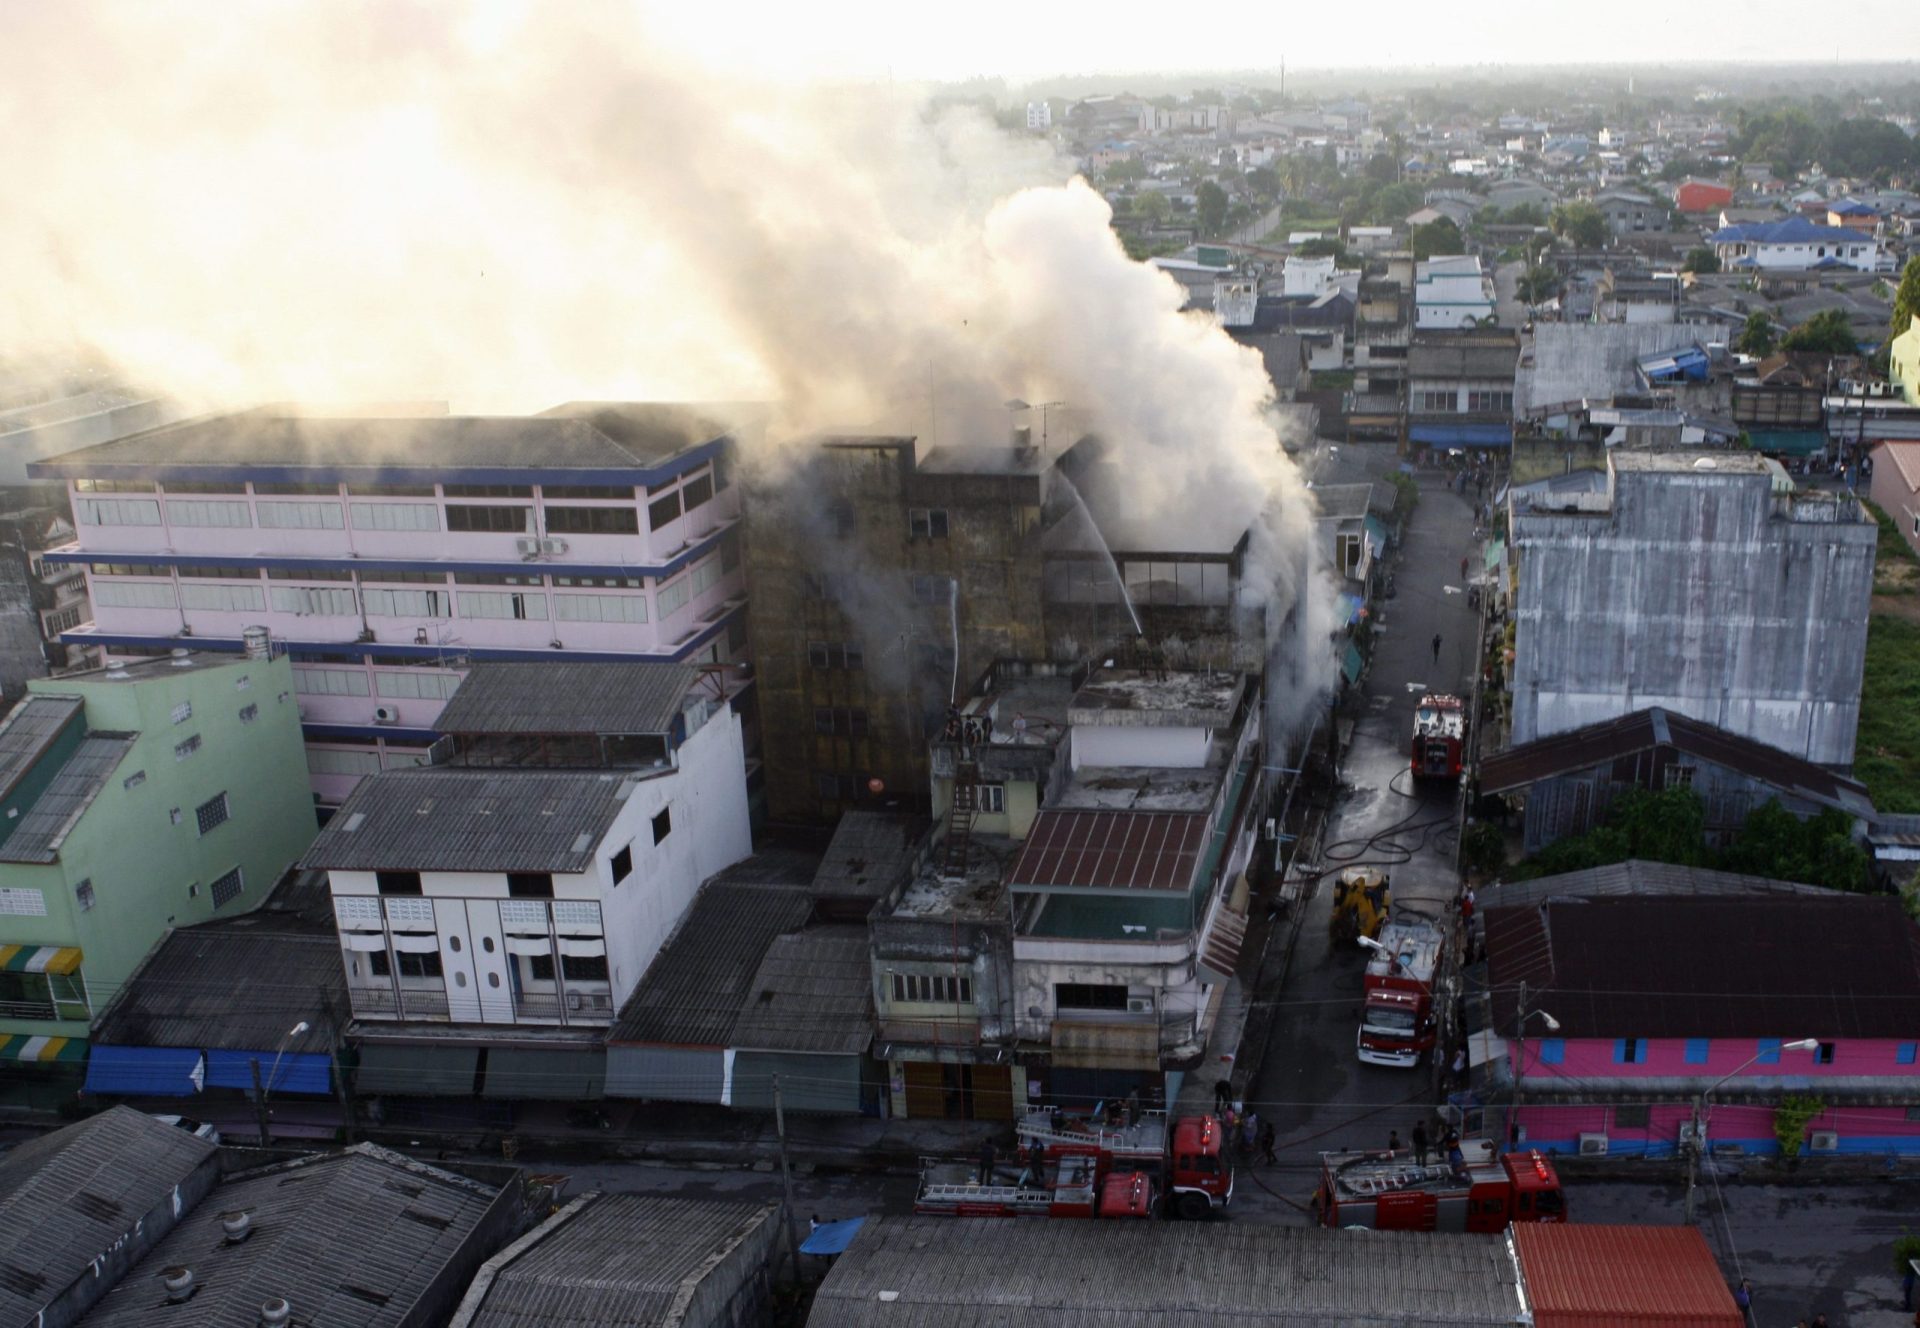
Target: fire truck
pixel 1483 1192
pixel 1439 737
pixel 1185 1153
pixel 1397 1023
pixel 1072 1185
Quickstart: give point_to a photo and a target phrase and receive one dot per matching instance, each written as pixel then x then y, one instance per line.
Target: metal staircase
pixel 966 805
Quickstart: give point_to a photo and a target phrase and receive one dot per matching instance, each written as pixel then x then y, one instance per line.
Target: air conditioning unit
pixel 1693 1134
pixel 555 546
pixel 386 714
pixel 1593 1145
pixel 526 547
pixel 1139 1005
pixel 1823 1141
pixel 598 1000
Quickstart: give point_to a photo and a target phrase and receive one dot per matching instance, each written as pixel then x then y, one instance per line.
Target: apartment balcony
pixel 574 1006
pixel 423 1003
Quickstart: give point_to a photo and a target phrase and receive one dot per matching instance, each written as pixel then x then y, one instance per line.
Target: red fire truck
pixel 1073 1185
pixel 1439 737
pixel 1185 1154
pixel 1397 1023
pixel 1484 1192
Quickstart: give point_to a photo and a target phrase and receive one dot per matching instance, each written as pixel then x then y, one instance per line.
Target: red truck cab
pixel 1397 1024
pixel 1201 1179
pixel 1393 1192
pixel 1185 1154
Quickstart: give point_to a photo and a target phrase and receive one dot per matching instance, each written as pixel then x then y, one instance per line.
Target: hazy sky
pixel 1021 39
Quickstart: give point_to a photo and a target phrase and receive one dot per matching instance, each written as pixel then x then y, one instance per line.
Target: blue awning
pixel 1352 663
pixel 1351 607
pixel 1376 532
pixel 297 1072
pixel 145 1071
pixel 1462 435
pixel 832 1237
pixel 1788 442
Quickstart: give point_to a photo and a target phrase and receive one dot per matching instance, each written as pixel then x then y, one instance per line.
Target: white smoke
pixel 402 202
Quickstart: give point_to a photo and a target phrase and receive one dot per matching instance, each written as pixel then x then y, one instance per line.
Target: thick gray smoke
pixel 400 202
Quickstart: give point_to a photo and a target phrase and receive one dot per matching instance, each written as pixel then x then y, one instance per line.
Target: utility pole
pixel 259 1101
pixel 1519 1058
pixel 786 1179
pixel 1693 1154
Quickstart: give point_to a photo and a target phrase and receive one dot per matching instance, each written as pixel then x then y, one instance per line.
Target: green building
pixel 150 795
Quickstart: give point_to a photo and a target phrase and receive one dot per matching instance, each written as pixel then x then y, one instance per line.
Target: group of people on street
pixel 1243 1129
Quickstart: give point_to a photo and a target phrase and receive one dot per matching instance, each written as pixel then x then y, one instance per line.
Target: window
pixel 334 761
pixel 605 582
pixel 1679 776
pixel 415 685
pixel 493 520
pixel 1633 1117
pixel 488 490
pixel 314 601
pixel 134 595
pixel 931 589
pixel 63 620
pixel 1768 1052
pixel 223 599
pixel 835 655
pixel 113 486
pixel 1629 1051
pixel 309 574
pixel 938 989
pixel 834 788
pixel 394 516
pixel 1697 1051
pixel 600 608
pixel 83 894
pixel 420 964
pixel 1490 402
pixel 673 597
pixel 1432 400
pixel 696 491
pixel 211 813
pixel 330 682
pixel 601 491
pixel 993 797
pixel 593 521
pixel 406 603
pixel 502 604
pixel 530 885
pixel 398 882
pixel 407 578
pixel 201 512
pixel 1089 996
pixel 840 720
pixel 1823 1054
pixel 706 575
pixel 927 523
pixel 584 968
pixel 662 824
pixel 134 780
pixel 1553 1051
pixel 300 516
pixel 391 490
pixel 116 511
pixel 185 748
pixel 183 712
pixel 174 817
pixel 260 488
pixel 226 889
pixel 622 864
pixel 664 510
pixel 1904 1054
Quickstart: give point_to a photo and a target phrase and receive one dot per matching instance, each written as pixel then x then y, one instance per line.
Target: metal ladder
pixel 966 805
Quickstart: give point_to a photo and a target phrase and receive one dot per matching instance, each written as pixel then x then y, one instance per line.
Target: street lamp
pixel 1700 1112
pixel 260 1090
pixel 1520 1050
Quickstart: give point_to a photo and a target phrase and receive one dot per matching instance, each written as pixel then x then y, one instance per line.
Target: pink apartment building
pixel 1660 998
pixel 386 554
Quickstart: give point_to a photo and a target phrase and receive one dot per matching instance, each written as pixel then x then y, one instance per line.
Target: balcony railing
pixel 580 1007
pixel 381 1003
pixel 29 1010
pixel 932 1032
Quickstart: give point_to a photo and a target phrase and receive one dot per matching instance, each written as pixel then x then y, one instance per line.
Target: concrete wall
pixel 1879 1130
pixel 1701 593
pixel 1172 747
pixel 1538 458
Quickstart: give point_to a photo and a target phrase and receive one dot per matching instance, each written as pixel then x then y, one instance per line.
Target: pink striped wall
pixel 1589 1058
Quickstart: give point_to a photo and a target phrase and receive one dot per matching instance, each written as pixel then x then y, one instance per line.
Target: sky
pixel 1020 40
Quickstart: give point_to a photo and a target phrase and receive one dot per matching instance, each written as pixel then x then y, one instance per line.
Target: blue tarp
pixel 144 1071
pixel 1462 435
pixel 1789 442
pixel 832 1237
pixel 1351 607
pixel 298 1072
pixel 1376 532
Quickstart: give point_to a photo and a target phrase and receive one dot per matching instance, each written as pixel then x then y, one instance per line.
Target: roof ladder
pixel 966 805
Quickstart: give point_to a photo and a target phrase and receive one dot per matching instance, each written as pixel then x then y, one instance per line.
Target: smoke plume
pixel 510 208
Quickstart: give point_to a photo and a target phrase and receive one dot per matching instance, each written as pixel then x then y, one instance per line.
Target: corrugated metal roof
pixel 38 835
pixel 1842 966
pixel 579 436
pixel 350 1239
pixel 445 819
pixel 1581 1276
pixel 692 991
pixel 813 992
pixel 956 1273
pixel 29 729
pixel 1644 730
pixel 624 1261
pixel 69 1195
pixel 567 697
pixel 1637 876
pixel 871 852
pixel 1111 850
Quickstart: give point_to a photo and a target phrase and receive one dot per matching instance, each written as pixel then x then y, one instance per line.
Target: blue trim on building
pixel 70 467
pixel 332 650
pixel 658 571
pixel 1462 435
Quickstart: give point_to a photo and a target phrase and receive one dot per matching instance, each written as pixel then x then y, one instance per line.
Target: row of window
pixel 1633 1051
pixel 460 518
pixel 728 560
pixel 426 964
pixel 696 488
pixel 1428 401
pixel 938 989
pixel 380 602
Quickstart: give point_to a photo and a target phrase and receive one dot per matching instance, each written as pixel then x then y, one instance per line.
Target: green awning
pixel 562 1074
pixel 1352 663
pixel 1788 442
pixel 417 1071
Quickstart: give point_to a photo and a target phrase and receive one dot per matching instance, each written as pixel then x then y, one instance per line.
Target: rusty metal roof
pixel 1581 1276
pixel 1111 850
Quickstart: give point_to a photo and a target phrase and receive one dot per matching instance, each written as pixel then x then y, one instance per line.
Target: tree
pixel 1866 147
pixel 1701 259
pixel 1210 205
pixel 1127 168
pixel 1826 333
pixel 1382 169
pixel 1152 207
pixel 1906 301
pixel 1756 336
pixel 1264 181
pixel 1580 223
pixel 1436 239
pixel 1537 285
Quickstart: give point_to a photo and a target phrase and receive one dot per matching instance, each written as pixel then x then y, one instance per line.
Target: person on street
pixel 1266 1142
pixel 1222 1095
pixel 986 1162
pixel 1436 647
pixel 1420 1143
pixel 1463 567
pixel 1393 1141
pixel 1460 1066
pixel 1743 1297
